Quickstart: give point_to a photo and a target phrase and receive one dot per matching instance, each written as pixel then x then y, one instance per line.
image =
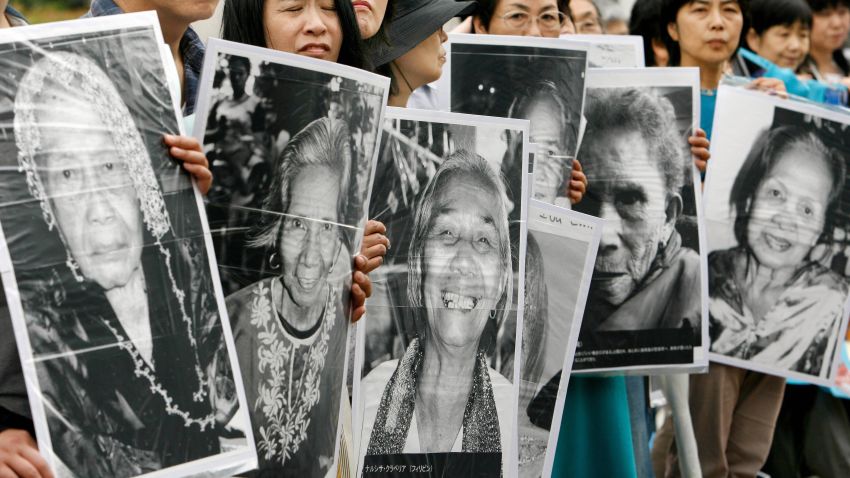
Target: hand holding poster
pixel 128 357
pixel 776 199
pixel 646 310
pixel 438 395
pixel 292 142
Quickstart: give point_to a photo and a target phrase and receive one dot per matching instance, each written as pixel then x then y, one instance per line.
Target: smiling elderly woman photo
pixel 290 329
pixel 442 396
pixel 771 301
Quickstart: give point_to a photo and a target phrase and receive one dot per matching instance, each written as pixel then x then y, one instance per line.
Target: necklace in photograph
pixel 286 400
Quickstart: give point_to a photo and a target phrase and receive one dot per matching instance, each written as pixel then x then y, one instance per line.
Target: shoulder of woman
pixel 240 303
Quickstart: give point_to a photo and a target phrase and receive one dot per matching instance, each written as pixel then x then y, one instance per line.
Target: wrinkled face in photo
pixel 551 161
pixel 789 209
pixel 463 273
pixel 626 189
pixel 92 196
pixel 310 240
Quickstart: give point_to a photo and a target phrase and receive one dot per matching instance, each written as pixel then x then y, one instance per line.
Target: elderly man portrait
pixel 120 312
pixel 645 277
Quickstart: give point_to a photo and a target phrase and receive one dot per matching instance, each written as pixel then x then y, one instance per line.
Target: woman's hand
pixel 773 86
pixel 361 289
pixel 189 151
pixel 375 245
pixel 19 456
pixel 578 183
pixel 699 148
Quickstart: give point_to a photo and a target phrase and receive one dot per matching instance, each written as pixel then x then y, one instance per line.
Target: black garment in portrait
pixel 106 420
pixel 14 407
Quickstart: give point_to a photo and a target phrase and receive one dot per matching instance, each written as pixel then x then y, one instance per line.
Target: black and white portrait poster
pixel 292 142
pixel 560 252
pixel 612 51
pixel 776 206
pixel 538 79
pixel 436 393
pixel 107 264
pixel 647 307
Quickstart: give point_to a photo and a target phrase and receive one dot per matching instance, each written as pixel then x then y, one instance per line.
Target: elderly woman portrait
pixel 554 128
pixel 442 396
pixel 634 158
pixel 772 301
pixel 120 311
pixel 290 329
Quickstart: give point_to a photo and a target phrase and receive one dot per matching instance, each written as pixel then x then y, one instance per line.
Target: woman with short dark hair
pixel 780 32
pixel 830 29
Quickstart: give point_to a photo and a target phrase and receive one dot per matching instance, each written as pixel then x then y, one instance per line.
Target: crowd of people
pixel 744 422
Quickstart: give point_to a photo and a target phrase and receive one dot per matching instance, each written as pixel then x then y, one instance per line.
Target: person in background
pixel 830 28
pixel 645 22
pixel 587 18
pixel 733 410
pixel 780 32
pixel 18 450
pixel 372 18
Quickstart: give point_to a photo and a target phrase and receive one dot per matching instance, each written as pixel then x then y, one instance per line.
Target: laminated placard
pixel 647 307
pixel 559 255
pixel 435 393
pixel 776 201
pixel 612 51
pixel 292 142
pixel 107 260
pixel 538 79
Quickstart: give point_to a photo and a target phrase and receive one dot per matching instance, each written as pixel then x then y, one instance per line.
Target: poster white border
pixel 664 78
pixel 223 464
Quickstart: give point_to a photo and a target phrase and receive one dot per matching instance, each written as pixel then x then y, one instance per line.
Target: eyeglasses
pixel 547 21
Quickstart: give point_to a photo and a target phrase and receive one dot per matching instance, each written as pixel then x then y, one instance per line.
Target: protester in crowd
pixel 586 16
pixel 544 18
pixel 830 28
pixel 372 17
pixel 18 451
pixel 780 32
pixel 646 23
pixel 733 410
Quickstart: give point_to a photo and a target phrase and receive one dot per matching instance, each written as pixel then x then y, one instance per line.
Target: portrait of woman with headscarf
pixel 120 310
pixel 442 396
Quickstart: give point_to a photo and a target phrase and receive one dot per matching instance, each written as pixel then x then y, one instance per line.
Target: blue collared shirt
pixel 191 49
pixel 13 15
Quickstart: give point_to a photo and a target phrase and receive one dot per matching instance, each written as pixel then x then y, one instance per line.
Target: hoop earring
pixel 493 314
pixel 274 263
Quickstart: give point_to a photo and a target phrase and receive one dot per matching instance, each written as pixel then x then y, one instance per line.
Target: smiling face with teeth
pixel 464 271
pixel 789 209
pixel 310 241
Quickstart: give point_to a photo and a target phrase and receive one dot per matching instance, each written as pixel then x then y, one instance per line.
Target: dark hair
pixel 765 14
pixel 242 22
pixel 487 7
pixel 645 21
pixel 669 12
pixel 763 156
pixel 838 55
pixel 234 60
